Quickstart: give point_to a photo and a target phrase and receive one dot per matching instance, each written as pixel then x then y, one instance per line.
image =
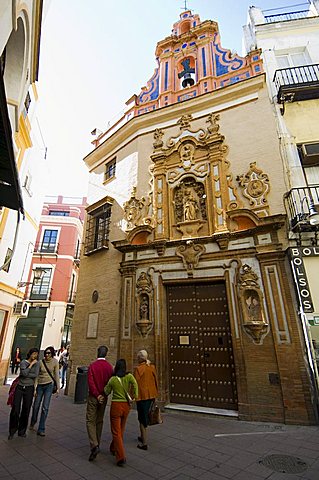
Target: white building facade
pixel 289 40
pixel 22 159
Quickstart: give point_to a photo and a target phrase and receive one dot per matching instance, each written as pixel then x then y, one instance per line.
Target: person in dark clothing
pixel 15 360
pixel 19 416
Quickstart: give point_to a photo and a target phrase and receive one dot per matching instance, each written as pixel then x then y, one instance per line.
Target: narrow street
pixel 186 446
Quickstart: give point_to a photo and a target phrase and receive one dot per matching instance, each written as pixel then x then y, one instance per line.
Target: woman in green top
pixel 120 384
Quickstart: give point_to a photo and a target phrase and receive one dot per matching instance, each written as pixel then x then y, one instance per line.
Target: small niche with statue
pixel 251 301
pixel 144 297
pixel 190 206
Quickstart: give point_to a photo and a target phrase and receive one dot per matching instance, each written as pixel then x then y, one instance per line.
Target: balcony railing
pixel 45 248
pixel 297 83
pixel 43 295
pixel 297 203
pixel 285 17
pixel 71 297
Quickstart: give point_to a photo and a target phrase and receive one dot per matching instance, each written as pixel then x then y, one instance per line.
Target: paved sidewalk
pixel 186 446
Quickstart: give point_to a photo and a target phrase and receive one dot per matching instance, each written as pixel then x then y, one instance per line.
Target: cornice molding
pixel 218 100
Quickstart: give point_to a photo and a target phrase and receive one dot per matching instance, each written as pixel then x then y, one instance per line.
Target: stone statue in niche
pixel 144 287
pixel 190 206
pixel 252 302
pixel 190 201
pixel 144 307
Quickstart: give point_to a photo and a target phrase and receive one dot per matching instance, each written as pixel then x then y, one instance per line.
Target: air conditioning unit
pixel 310 154
pixel 21 309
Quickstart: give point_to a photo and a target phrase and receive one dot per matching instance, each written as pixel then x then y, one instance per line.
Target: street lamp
pixel 37 275
pixel 313 216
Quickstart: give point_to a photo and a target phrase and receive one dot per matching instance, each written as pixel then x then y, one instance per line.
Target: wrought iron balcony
pixel 286 17
pixel 71 297
pixel 46 248
pixel 302 206
pixel 297 83
pixel 36 295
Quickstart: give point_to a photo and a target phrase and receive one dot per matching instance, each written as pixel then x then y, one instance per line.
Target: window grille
pixel 98 228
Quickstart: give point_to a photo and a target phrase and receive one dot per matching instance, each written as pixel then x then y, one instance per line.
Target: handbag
pixel 12 391
pixel 55 387
pixel 154 415
pixel 129 399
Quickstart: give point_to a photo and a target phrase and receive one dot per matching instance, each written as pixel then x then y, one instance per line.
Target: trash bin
pixel 81 386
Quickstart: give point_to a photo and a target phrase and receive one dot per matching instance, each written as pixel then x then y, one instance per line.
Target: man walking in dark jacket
pixel 99 373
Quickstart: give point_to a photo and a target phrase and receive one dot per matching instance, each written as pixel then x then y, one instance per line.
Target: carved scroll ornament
pixel 134 210
pixel 190 254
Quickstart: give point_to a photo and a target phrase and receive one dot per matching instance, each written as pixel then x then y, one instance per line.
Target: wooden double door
pixel 201 361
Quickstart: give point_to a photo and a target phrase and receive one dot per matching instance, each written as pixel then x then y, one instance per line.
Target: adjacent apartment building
pixel 185 247
pixel 46 313
pixel 289 40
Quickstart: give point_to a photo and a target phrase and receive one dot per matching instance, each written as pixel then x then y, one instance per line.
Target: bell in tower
pixel 188 80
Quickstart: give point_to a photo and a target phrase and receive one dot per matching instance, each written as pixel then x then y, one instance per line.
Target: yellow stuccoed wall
pixel 302 120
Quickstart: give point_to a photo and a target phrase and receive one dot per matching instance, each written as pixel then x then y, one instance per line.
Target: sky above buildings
pixel 95 55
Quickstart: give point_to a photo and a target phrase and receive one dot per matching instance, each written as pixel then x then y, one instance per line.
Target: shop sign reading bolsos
pixel 300 275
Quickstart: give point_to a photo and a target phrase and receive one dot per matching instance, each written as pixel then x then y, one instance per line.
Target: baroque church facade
pixel 184 251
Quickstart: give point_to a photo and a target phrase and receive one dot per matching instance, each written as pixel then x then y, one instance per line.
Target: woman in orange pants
pixel 120 384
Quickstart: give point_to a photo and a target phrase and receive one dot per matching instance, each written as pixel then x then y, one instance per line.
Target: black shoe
pixel 120 463
pixel 142 447
pixel 23 435
pixel 10 436
pixel 93 454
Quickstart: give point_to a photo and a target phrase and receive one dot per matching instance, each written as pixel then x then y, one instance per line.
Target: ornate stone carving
pixel 201 156
pixel 185 122
pixel 213 126
pixel 160 248
pixel 133 210
pixel 251 301
pixel 187 155
pixel 144 289
pixel 190 254
pixel 190 201
pixel 255 185
pixel 158 135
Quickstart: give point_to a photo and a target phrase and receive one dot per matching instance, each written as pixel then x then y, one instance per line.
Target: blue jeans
pixel 44 394
pixel 63 376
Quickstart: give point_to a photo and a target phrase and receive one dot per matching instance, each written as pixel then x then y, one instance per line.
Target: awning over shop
pixel 10 191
